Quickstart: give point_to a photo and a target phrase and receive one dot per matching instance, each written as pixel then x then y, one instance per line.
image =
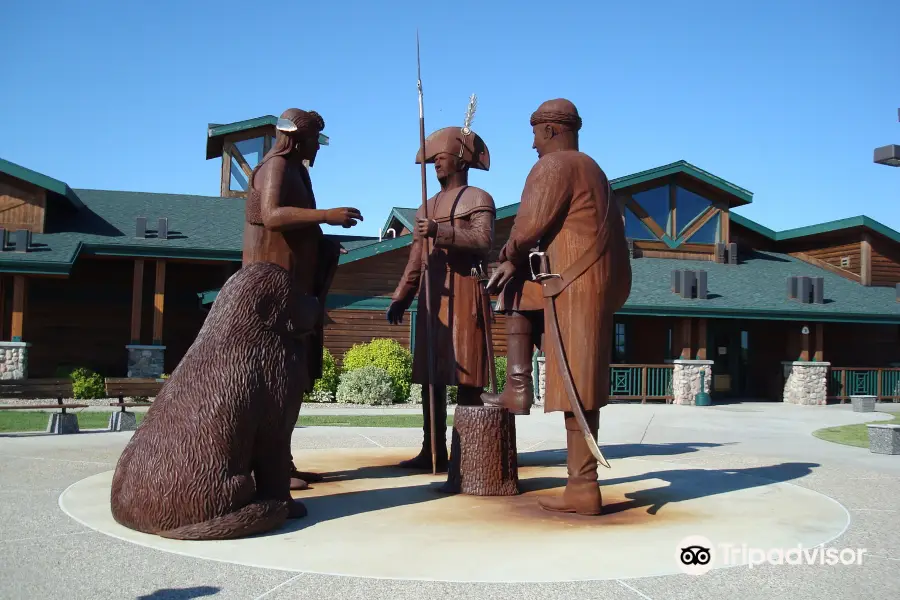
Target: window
pixel 252 152
pixel 656 203
pixel 619 347
pixel 635 228
pixel 688 207
pixel 669 345
pixel 707 234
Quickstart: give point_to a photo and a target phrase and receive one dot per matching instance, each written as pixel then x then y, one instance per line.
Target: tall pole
pixel 428 311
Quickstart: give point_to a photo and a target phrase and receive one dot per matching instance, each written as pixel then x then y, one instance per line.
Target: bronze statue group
pixel 212 460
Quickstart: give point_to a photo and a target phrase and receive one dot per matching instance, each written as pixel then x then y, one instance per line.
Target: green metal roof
pixel 215 132
pixel 53 186
pixel 405 216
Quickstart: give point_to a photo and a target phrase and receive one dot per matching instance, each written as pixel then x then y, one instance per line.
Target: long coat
pixel 465 235
pixel 565 207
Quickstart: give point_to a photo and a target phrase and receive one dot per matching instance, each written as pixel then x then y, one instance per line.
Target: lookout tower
pixel 241 145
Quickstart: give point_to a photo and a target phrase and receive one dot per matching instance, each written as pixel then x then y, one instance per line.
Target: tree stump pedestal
pixel 483 459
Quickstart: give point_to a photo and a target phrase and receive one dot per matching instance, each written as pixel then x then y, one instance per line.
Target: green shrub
pixel 386 354
pixel 500 371
pixel 415 393
pixel 366 385
pixel 87 385
pixel 330 378
pixel 319 396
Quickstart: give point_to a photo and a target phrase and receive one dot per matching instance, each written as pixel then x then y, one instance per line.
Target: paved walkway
pixel 48 554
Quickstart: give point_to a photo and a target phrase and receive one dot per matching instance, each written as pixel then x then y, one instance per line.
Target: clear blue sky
pixel 786 99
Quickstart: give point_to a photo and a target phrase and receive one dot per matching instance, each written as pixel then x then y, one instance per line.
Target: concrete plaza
pixel 745 469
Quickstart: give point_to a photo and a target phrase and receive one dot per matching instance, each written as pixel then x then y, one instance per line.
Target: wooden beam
pixel 725 228
pixel 18 308
pixel 865 250
pixel 673 221
pixel 819 355
pixel 159 301
pixel 137 293
pixel 225 186
pixel 701 339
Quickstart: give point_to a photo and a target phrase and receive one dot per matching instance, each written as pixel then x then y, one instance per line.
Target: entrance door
pixel 728 348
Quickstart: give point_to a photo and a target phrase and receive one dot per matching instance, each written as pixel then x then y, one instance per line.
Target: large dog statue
pixel 228 409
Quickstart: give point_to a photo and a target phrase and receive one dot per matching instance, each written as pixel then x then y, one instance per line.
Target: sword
pixel 479 274
pixel 557 345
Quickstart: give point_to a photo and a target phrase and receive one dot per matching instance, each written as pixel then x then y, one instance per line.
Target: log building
pixel 120 282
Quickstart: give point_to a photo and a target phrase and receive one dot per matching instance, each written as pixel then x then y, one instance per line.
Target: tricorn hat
pixel 453 140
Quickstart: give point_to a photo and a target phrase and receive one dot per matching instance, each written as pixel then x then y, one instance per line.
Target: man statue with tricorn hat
pixel 460 227
pixel 283 225
pixel 564 295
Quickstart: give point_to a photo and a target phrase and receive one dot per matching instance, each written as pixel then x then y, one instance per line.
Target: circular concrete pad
pixel 369 519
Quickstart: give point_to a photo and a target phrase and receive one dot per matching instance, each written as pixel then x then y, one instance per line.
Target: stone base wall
pixel 686 379
pixel 806 383
pixel 146 361
pixel 14 360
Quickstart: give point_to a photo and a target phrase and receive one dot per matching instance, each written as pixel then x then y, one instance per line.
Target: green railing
pixel 844 382
pixel 641 382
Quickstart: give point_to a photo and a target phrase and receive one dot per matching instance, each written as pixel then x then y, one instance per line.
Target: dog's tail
pixel 256 517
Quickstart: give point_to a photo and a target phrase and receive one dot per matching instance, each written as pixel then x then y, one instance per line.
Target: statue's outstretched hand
pixel 395 313
pixel 501 276
pixel 345 216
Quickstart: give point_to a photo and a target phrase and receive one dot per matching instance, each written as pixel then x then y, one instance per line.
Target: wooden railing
pixel 641 382
pixel 844 382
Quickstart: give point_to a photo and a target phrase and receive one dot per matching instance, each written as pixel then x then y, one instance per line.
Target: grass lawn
pixel 852 435
pixel 27 420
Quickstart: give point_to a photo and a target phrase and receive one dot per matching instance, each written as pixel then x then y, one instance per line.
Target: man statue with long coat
pixel 568 213
pixel 460 226
pixel 283 225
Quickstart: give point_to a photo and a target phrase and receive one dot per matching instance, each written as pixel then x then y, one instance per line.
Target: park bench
pixel 32 389
pixel 129 387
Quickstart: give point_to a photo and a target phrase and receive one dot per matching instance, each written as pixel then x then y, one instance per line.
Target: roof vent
pixel 162 231
pixel 732 254
pixel 720 253
pixel 141 227
pixel 806 290
pixel 689 284
pixel 23 240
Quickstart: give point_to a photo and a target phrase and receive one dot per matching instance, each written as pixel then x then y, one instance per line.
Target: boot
pixel 582 493
pixel 518 394
pixel 422 461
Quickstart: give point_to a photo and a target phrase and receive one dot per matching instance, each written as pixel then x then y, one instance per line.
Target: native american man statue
pixel 283 225
pixel 582 276
pixel 461 225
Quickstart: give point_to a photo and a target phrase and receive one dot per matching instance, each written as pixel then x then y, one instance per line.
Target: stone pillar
pixel 146 361
pixel 805 382
pixel 14 360
pixel 686 379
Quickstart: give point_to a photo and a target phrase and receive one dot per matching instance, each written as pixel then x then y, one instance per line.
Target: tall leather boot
pixel 582 493
pixel 518 394
pixel 422 461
